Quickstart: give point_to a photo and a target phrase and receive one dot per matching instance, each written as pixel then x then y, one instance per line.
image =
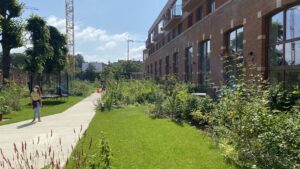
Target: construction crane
pixel 31 8
pixel 128 46
pixel 292 30
pixel 70 33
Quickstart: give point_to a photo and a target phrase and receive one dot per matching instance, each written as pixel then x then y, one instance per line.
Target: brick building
pixel 190 39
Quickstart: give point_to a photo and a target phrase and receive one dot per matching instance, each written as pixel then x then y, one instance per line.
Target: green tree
pixel 41 49
pixel 11 31
pixel 79 60
pixel 18 60
pixel 90 73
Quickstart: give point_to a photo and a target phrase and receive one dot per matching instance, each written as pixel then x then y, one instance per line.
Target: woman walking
pixel 36 98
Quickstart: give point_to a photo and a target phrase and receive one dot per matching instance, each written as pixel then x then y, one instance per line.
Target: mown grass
pixel 50 107
pixel 139 142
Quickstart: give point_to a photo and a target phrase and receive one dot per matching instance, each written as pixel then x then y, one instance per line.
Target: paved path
pixel 60 132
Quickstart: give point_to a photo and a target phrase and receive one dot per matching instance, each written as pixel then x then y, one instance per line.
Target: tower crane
pixel 128 46
pixel 70 33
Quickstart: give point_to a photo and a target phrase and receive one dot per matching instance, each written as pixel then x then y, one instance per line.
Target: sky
pixel 102 27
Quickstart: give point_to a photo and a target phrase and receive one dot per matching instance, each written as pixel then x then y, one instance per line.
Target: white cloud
pixel 60 24
pixel 108 45
pixel 136 53
pixel 97 43
pixel 94 34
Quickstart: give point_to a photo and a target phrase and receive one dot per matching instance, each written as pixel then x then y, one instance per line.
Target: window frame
pixel 189 63
pixel 231 56
pixel 283 68
pixel 203 73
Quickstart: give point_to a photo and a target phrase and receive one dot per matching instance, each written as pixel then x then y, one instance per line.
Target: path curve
pixel 56 131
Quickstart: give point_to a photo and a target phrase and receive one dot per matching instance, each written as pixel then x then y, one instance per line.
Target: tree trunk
pixel 6 61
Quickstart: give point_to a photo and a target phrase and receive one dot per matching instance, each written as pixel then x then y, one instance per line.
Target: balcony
pixel 174 17
pixel 189 5
pixel 157 36
pixel 148 43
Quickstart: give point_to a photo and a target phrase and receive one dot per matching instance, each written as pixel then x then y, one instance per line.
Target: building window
pixel 151 69
pixel 205 57
pixel 175 63
pixel 235 59
pixel 155 69
pixel 199 14
pixel 174 33
pixel 189 64
pixel 160 67
pixel 179 28
pixel 211 6
pixel 190 20
pixel 167 65
pixel 284 46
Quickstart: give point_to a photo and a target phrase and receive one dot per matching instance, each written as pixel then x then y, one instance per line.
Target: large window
pixel 284 46
pixel 211 6
pixel 175 63
pixel 205 56
pixel 234 62
pixel 189 63
pixel 155 69
pixel 199 14
pixel 190 20
pixel 160 67
pixel 167 65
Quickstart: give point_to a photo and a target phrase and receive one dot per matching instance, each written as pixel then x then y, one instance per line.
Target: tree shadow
pixel 51 102
pixel 26 125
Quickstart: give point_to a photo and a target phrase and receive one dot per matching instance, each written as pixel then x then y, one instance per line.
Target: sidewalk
pixel 60 132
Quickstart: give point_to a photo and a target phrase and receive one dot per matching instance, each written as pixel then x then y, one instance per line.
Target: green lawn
pixel 139 142
pixel 50 107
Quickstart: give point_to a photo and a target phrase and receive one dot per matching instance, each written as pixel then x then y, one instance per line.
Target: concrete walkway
pixel 56 135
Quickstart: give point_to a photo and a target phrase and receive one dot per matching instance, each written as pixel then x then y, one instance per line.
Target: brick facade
pixel 252 15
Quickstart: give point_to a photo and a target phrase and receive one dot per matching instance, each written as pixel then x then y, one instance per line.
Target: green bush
pixel 11 96
pixel 281 99
pixel 81 88
pixel 119 93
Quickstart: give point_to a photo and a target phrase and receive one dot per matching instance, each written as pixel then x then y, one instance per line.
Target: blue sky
pixel 102 26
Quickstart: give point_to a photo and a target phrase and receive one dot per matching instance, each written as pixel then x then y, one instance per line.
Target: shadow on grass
pixel 51 102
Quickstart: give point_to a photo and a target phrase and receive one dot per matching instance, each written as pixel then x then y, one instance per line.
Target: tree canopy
pixel 40 39
pixel 57 61
pixel 11 31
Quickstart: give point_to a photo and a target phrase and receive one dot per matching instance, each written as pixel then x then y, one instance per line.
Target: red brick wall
pixel 251 14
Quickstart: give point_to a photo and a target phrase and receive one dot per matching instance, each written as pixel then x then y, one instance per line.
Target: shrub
pixel 281 99
pixel 81 88
pixel 102 158
pixel 11 96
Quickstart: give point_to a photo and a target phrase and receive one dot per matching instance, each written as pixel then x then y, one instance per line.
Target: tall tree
pixel 10 31
pixel 41 49
pixel 79 60
pixel 57 62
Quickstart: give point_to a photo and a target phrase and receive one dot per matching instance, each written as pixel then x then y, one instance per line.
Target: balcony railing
pixel 173 17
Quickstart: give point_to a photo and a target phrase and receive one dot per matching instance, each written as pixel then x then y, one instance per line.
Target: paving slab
pixel 54 137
